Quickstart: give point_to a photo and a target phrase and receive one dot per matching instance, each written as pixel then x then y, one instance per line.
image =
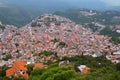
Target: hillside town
pixel 52 33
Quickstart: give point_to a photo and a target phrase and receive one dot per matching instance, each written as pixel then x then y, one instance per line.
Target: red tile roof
pixel 10 72
pixel 25 75
pixel 39 65
pixel 17 66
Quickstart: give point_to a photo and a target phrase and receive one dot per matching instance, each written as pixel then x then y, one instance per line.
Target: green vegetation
pixel 34 24
pixel 55 40
pixel 115 36
pixel 69 30
pixel 30 68
pixel 8 56
pixel 76 16
pixel 53 72
pixel 91 26
pixel 3 73
pixel 15 16
pixel 109 32
pixel 100 69
pixel 16 44
pixel 116 40
pixel 62 44
pixel 105 17
pixel 46 53
pixel 2 27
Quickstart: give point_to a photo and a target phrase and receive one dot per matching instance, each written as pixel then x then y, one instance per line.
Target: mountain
pixel 40 4
pixel 51 39
pixel 102 22
pixel 54 33
pixel 15 16
pixel 21 12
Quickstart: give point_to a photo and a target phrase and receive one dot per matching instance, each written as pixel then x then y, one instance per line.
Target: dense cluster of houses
pixel 88 13
pixel 59 34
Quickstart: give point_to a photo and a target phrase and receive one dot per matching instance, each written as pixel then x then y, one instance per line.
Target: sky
pixel 108 2
pixel 112 2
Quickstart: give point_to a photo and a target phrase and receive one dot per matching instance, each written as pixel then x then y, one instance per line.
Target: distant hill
pixel 24 11
pixel 80 16
pixel 15 16
pixel 103 22
pixel 20 13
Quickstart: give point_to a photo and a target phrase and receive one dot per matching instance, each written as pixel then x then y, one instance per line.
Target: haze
pixel 64 4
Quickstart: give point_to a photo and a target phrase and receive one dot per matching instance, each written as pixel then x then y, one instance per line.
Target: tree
pixel 34 24
pixel 2 27
pixel 62 44
pixel 30 68
pixel 118 66
pixel 3 71
pixel 8 56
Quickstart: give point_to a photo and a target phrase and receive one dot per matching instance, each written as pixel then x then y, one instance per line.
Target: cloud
pixel 112 2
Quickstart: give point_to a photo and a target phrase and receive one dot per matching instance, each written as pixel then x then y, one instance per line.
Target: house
pixel 97 54
pixel 83 69
pixel 54 60
pixel 18 69
pixel 2 64
pixel 116 53
pixel 39 65
pixel 65 63
pixel 118 31
pixel 109 57
pixel 116 57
